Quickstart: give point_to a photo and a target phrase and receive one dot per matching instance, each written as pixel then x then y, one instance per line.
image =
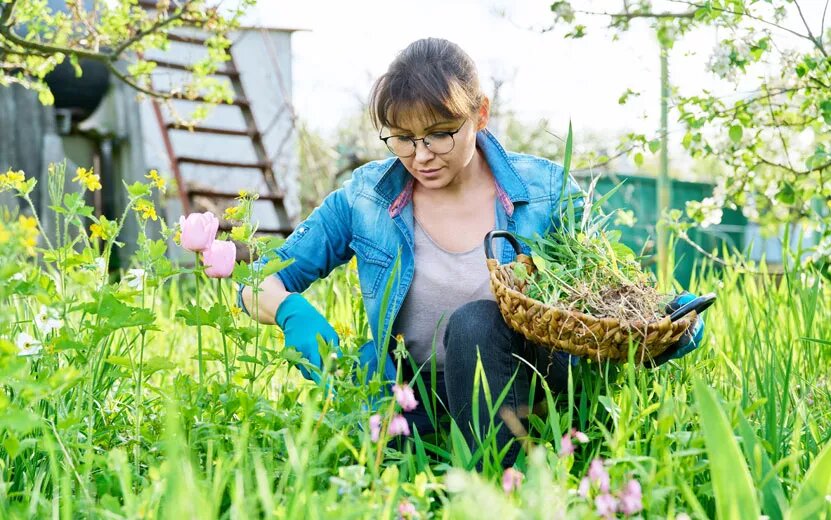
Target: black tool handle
pixel 496 233
pixel 698 305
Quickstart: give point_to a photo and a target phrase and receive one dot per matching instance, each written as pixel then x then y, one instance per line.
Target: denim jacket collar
pixel 396 185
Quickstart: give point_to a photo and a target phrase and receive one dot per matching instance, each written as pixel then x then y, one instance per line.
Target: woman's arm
pixel 271 295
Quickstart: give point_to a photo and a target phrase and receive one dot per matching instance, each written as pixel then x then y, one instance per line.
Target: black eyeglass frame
pixel 413 140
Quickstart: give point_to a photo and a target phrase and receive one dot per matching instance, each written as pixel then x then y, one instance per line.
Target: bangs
pixel 416 99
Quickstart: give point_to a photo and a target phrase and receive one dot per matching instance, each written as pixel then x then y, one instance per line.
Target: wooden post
pixel 664 182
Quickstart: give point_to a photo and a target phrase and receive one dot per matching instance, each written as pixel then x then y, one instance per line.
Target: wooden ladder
pixel 263 163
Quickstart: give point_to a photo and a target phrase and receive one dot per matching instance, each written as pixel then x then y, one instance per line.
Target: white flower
pixel 135 278
pixel 18 276
pixel 27 345
pixel 101 265
pixel 46 320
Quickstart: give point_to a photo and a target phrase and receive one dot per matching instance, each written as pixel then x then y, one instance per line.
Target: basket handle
pixel 507 235
pixel 698 305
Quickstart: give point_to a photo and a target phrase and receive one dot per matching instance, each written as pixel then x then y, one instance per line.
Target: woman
pixel 450 183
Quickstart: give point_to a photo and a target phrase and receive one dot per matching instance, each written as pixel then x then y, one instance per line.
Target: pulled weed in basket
pixel 582 265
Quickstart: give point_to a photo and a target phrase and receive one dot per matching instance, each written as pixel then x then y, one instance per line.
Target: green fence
pixel 639 194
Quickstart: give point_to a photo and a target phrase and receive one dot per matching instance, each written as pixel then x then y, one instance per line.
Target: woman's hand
pixel 691 338
pixel 272 294
pixel 303 326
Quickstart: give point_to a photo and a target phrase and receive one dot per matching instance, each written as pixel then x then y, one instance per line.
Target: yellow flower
pixel 233 213
pixel 29 226
pixel 103 229
pixel 343 330
pixel 177 238
pixel 146 209
pixel 4 234
pixel 399 338
pixel 87 179
pixel 243 194
pixel 235 311
pixel 13 179
pixel 157 181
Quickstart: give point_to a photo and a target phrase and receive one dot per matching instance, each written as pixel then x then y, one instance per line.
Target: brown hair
pixel 431 75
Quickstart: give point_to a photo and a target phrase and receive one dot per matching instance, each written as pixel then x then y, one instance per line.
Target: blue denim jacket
pixel 371 216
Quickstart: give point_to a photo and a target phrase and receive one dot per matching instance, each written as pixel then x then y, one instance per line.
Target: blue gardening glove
pixel 690 340
pixel 301 325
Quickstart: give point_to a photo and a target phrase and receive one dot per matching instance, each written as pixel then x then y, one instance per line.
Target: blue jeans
pixel 479 327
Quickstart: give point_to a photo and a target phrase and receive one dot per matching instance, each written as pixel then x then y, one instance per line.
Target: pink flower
pixel 198 230
pixel 406 510
pixel 581 437
pixel 219 258
pixel 585 485
pixel 405 397
pixel 682 516
pixel 375 427
pixel 399 426
pixel 606 505
pixel 631 499
pixel 566 446
pixel 598 475
pixel 511 479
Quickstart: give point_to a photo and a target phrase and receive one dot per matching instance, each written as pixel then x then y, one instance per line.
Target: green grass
pixel 111 420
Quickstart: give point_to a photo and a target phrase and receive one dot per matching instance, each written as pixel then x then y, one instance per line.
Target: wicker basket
pixel 571 331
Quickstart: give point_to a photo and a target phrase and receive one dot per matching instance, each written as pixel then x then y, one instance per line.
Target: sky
pixel 346 45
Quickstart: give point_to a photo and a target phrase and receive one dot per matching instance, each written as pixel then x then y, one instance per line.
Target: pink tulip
pixel 511 479
pixel 405 397
pixel 219 259
pixel 198 230
pixel 399 426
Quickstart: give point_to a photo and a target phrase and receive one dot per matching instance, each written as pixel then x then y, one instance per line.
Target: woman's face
pixel 437 171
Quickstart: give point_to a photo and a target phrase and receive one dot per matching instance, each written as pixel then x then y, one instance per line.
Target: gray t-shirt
pixel 443 282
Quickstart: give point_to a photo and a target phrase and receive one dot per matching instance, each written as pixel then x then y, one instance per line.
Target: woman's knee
pixel 474 327
pixel 474 323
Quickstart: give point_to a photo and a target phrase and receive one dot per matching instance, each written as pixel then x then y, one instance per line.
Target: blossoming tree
pixel 774 140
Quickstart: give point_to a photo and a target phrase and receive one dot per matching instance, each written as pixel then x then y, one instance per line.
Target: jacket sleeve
pixel 320 243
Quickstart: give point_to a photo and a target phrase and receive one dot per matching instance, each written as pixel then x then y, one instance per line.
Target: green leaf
pixel 638 158
pixel 812 499
pixel 120 361
pixel 731 482
pixel 157 363
pixel 249 359
pixel 276 265
pixel 774 502
pixel 654 145
pixel 736 133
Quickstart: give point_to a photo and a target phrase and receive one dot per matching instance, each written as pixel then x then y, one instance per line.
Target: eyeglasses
pixel 437 142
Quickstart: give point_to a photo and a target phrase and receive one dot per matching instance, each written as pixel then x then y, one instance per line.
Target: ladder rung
pixel 229 164
pixel 185 67
pixel 201 99
pixel 211 130
pixel 181 38
pixel 286 231
pixel 229 195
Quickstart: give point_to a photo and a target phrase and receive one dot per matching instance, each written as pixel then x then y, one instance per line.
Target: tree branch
pixel 817 43
pixel 159 24
pixel 129 81
pixel 752 17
